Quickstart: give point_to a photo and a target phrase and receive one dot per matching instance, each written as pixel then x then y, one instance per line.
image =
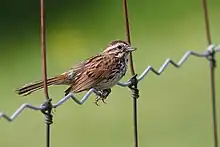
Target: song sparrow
pixel 100 72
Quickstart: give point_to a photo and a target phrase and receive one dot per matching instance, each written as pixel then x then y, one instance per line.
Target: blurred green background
pixel 174 109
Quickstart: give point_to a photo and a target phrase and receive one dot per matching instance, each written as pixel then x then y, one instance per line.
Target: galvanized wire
pixel 166 63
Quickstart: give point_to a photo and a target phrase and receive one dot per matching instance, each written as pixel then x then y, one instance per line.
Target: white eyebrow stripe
pixel 114 46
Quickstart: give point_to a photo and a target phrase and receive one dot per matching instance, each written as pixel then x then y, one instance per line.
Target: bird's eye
pixel 119 47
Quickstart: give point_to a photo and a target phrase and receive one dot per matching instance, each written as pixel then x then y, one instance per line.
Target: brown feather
pixel 93 71
pixel 37 85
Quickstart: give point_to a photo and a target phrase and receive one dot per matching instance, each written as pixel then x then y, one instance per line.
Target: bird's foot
pixel 98 98
pixel 102 95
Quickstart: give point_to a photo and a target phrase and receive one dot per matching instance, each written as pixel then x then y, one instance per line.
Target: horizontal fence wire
pixel 206 54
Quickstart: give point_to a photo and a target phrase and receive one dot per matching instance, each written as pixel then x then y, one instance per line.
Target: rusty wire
pixel 133 80
pixel 206 20
pixel 47 104
pixel 43 50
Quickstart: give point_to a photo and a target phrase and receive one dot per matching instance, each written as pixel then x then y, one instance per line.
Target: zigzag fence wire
pixel 210 50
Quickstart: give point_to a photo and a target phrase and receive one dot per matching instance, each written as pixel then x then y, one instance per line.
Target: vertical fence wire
pixel 43 50
pixel 128 33
pixel 206 19
pixel 48 104
pixel 212 73
pixel 214 115
pixel 133 74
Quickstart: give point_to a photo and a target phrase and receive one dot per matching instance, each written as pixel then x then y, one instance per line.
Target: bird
pixel 100 72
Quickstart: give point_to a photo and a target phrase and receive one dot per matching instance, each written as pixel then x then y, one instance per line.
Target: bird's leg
pixel 105 93
pixel 102 95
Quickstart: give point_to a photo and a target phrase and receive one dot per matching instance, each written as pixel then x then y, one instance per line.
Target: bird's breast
pixel 114 76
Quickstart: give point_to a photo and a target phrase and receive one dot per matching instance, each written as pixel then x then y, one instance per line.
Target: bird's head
pixel 119 48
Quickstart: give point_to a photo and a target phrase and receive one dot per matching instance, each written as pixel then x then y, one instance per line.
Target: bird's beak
pixel 131 49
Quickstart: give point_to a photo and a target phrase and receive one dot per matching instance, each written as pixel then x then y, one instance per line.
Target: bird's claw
pixel 103 100
pixel 102 95
pixel 98 98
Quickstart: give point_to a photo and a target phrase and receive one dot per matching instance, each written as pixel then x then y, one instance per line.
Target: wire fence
pixel 167 62
pixel 47 106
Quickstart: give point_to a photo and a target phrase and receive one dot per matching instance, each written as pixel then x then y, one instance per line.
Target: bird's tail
pixel 37 85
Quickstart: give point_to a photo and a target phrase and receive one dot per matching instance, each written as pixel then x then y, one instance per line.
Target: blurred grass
pixel 174 109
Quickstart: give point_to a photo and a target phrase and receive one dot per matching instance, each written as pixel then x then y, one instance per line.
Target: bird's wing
pixel 92 71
